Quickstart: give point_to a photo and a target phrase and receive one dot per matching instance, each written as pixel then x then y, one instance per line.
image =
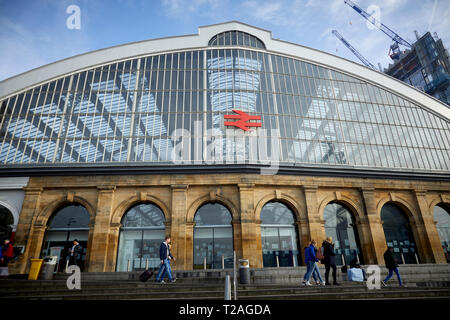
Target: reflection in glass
pixel 141 234
pixel 340 225
pixel 127 112
pixel 398 231
pixel 66 225
pixel 442 218
pixel 213 237
pixel 279 236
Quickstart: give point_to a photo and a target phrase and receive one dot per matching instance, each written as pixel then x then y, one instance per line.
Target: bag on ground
pixel 355 274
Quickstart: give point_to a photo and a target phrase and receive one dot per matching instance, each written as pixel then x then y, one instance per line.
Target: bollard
pixel 146 264
pixel 278 261
pixel 342 258
pixel 204 263
pixel 223 262
pixel 67 265
pixel 293 260
pixel 129 265
pixel 403 258
pixel 234 276
pixel 244 271
pixel 227 287
pixel 417 259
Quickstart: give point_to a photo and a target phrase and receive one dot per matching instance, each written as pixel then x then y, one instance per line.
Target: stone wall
pixel 107 198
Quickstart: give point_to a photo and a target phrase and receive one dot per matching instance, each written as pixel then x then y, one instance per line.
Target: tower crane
pixel 391 34
pixel 352 49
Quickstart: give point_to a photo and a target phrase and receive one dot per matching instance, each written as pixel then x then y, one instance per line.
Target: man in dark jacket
pixel 165 256
pixel 330 260
pixel 392 266
pixel 75 253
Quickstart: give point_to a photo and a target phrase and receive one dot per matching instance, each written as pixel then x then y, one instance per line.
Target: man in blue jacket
pixel 165 256
pixel 310 261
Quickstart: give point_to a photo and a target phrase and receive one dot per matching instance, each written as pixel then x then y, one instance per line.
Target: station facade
pixel 226 140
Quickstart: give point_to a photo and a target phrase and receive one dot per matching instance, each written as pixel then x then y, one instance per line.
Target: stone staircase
pixel 423 281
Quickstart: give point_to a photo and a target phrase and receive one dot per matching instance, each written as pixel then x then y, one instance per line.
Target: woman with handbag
pixel 329 260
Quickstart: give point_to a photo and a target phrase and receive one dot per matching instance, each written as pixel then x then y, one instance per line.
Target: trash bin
pixel 35 269
pixel 48 268
pixel 244 271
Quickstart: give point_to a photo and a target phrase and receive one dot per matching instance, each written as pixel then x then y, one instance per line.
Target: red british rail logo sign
pixel 242 120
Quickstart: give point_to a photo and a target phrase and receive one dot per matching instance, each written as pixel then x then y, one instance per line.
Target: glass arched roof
pixel 127 112
pixel 236 38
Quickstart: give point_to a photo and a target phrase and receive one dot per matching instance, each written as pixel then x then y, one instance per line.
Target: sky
pixel 35 33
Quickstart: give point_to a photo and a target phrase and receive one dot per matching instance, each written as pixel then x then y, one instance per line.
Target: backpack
pixel 319 254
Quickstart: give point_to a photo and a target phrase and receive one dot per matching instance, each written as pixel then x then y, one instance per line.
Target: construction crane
pixel 391 34
pixel 352 49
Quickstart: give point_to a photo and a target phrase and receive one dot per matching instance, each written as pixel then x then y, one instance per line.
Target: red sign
pixel 242 121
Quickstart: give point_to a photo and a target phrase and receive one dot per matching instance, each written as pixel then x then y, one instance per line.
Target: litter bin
pixel 244 271
pixel 35 269
pixel 48 268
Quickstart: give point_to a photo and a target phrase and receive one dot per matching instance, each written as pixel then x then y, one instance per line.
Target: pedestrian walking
pixel 165 256
pixel 310 261
pixel 75 253
pixel 7 253
pixel 316 272
pixel 392 266
pixel 329 260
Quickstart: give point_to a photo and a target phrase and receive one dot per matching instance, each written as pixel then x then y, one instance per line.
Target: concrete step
pixel 286 294
pixel 56 290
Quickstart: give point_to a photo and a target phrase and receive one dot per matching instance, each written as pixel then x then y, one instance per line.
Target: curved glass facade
pixel 127 112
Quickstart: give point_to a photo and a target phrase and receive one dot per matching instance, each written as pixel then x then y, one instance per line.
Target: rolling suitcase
pixel 145 275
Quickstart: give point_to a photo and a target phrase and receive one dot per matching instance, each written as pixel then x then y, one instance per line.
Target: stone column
pixel 316 225
pixel 27 235
pixel 304 238
pixel 249 245
pixel 374 241
pixel 113 246
pixel 102 223
pixel 427 231
pixel 176 227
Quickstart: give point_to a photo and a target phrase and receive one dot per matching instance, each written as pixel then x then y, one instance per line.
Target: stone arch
pixel 407 208
pixel 298 210
pixel 123 207
pixel 348 202
pixel 44 216
pixel 193 208
pixel 439 200
pixel 14 212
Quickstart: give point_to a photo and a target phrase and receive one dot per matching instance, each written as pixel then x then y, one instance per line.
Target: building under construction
pixel 425 66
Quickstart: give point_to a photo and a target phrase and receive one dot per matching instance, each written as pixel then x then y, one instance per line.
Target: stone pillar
pixel 304 238
pixel 113 246
pixel 249 245
pixel 316 225
pixel 427 231
pixel 176 227
pixel 27 235
pixel 102 222
pixel 374 241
